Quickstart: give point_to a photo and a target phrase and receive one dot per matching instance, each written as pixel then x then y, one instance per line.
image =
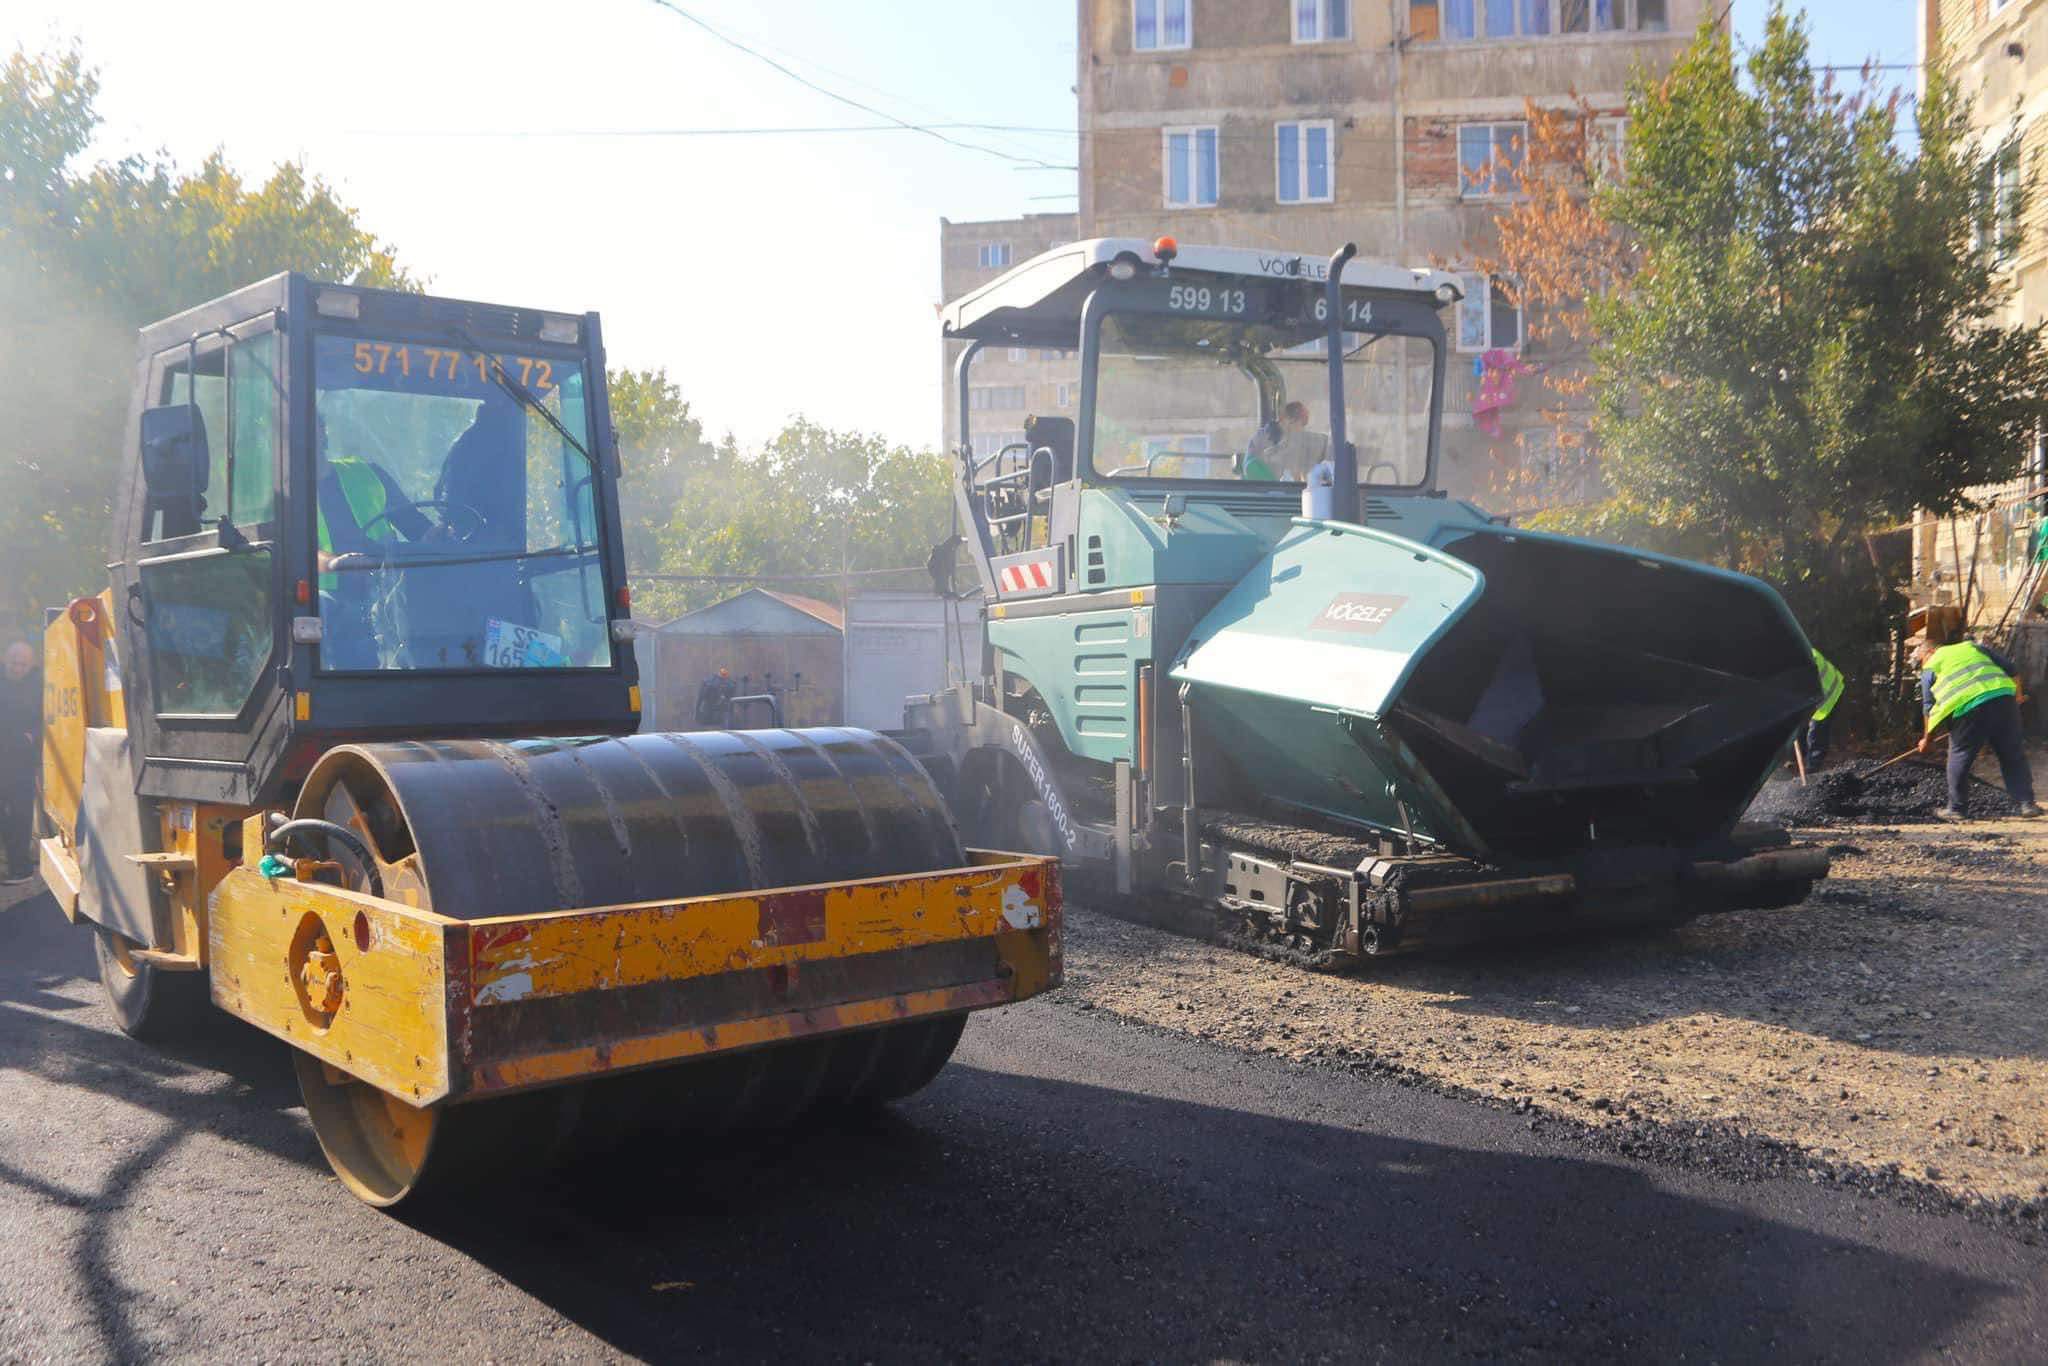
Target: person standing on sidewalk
pixel 21 718
pixel 1974 689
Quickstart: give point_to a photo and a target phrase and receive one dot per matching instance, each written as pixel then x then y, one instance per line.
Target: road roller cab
pixel 348 747
pixel 352 513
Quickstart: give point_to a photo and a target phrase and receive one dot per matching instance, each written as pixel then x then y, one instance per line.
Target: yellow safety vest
pixel 1832 685
pixel 1964 679
pixel 364 493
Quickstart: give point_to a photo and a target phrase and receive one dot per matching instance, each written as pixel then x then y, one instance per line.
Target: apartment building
pixel 1997 51
pixel 1009 383
pixel 1302 124
pixel 1306 123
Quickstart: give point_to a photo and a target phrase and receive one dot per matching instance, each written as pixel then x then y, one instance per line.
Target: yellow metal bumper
pixel 431 1008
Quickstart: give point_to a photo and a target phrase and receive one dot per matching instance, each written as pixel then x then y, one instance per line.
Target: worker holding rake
pixel 1974 690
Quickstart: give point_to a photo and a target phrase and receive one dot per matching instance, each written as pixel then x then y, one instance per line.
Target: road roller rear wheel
pixel 916 1053
pixel 379 1146
pixel 147 1002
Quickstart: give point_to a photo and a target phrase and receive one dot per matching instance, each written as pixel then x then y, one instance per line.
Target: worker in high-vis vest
pixel 358 506
pixel 1973 690
pixel 1832 685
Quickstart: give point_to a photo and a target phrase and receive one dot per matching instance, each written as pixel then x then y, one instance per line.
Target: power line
pixel 689 132
pixel 927 129
pixel 936 117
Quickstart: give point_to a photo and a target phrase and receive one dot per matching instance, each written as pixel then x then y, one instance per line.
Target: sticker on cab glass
pixel 508 645
pixel 1364 613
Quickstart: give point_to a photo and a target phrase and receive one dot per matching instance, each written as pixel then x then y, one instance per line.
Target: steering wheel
pixel 446 507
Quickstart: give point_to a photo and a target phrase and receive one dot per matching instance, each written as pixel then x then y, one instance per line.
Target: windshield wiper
pixel 363 561
pixel 519 391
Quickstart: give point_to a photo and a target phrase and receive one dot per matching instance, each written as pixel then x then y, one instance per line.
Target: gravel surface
pixel 1075 1187
pixel 1895 1024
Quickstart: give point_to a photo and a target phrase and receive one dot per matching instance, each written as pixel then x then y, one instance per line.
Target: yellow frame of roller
pixel 431 1009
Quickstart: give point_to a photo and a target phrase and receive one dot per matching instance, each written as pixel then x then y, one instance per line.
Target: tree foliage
pixel 1796 322
pixel 89 253
pixel 811 502
pixel 662 451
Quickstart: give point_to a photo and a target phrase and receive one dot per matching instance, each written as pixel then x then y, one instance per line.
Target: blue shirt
pixel 1927 676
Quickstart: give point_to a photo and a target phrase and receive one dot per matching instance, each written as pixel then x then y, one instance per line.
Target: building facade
pixel 1997 52
pixel 1009 383
pixel 1303 124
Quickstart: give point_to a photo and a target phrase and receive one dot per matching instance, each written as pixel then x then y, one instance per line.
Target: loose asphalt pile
pixel 1861 791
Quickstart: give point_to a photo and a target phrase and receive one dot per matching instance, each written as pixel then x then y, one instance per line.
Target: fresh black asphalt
pixel 1071 1188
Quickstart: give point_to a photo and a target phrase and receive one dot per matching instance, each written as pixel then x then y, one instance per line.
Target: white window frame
pixel 1019 354
pixel 1159 43
pixel 987 444
pixel 1282 171
pixel 1625 15
pixel 1998 218
pixel 1607 147
pixel 996 255
pixel 1479 293
pixel 1193 134
pixel 1465 189
pixel 1323 11
pixel 1064 396
pixel 981 398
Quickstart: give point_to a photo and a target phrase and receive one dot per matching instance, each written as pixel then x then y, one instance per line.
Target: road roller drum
pixel 475 829
pixel 494 828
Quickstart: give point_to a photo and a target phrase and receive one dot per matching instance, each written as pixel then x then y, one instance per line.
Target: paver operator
pixel 1975 690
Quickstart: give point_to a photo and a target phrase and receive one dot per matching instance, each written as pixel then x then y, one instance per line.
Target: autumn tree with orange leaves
pixel 1559 248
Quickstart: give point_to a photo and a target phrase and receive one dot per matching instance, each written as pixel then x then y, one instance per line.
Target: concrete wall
pixel 898 644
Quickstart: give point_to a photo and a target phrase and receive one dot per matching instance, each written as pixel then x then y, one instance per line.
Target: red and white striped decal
pixel 1025 577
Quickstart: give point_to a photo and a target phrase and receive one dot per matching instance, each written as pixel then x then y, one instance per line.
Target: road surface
pixel 1072 1188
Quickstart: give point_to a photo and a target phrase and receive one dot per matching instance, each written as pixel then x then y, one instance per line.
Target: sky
pixel 770 275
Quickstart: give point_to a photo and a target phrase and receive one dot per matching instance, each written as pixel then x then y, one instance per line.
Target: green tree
pixel 1809 346
pixel 87 255
pixel 810 502
pixel 661 451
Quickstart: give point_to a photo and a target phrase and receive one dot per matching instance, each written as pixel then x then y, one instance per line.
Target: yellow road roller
pixel 350 748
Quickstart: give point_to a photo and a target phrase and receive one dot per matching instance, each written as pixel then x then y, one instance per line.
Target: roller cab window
pixel 455 515
pixel 209 454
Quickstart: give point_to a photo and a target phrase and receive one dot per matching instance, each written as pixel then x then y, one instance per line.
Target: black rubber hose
pixel 274 841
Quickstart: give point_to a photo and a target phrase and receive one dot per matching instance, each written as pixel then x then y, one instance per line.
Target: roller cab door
pixel 202 622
